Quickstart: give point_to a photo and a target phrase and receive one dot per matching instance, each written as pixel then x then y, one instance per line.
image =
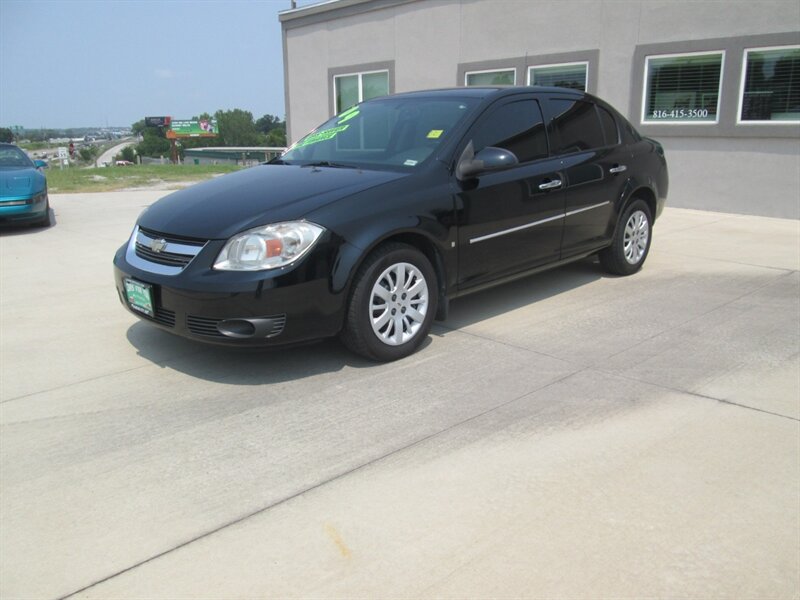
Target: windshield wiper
pixel 325 163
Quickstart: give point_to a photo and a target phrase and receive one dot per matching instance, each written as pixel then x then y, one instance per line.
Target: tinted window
pixel 577 126
pixel 609 126
pixel 518 127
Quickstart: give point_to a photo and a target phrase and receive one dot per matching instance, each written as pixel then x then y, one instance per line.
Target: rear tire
pixel 392 305
pixel 632 239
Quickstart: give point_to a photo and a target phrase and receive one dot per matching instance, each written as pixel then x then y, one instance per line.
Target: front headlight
pixel 268 247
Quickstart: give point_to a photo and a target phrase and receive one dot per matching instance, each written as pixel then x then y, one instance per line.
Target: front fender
pixel 414 231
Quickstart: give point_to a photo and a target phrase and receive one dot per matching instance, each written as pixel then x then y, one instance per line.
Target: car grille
pixel 167 250
pixel 162 258
pixel 203 326
pixel 162 316
pixel 165 317
pixel 207 326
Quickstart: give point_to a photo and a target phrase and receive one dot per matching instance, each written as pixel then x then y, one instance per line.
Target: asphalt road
pixel 108 155
pixel 568 435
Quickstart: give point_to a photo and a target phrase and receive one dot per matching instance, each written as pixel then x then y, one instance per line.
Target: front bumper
pixel 23 208
pixel 265 308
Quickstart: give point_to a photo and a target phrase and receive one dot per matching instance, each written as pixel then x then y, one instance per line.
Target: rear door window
pixel 609 126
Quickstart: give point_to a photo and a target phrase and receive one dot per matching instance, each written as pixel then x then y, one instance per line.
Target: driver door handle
pixel 618 169
pixel 549 185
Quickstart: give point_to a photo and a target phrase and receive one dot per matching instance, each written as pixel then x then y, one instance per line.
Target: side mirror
pixel 40 164
pixel 487 160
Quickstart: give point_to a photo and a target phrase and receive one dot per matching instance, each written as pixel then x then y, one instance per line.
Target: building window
pixel 682 88
pixel 353 88
pixel 770 88
pixel 498 77
pixel 569 75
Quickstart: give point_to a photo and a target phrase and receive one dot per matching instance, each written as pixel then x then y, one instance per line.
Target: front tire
pixel 45 220
pixel 392 305
pixel 632 239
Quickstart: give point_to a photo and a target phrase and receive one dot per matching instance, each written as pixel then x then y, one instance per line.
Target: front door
pixel 510 221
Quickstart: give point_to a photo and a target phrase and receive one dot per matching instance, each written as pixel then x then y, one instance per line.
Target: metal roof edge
pixel 332 9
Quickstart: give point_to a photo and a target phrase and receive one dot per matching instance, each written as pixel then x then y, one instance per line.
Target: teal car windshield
pixel 13 157
pixel 398 133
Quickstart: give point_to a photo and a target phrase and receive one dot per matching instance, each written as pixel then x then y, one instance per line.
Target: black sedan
pixel 369 225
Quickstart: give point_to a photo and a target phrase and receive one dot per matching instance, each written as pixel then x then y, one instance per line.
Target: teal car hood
pixel 20 182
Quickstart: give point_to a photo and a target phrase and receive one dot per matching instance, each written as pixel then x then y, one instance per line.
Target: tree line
pixel 236 127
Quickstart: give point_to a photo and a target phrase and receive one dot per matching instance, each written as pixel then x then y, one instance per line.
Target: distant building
pixel 238 156
pixel 718 83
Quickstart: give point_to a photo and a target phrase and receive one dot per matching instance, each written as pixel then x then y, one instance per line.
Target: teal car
pixel 23 189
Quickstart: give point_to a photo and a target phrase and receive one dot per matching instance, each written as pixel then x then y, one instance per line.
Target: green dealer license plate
pixel 140 296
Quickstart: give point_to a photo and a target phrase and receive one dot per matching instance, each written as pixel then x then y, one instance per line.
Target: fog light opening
pixel 237 328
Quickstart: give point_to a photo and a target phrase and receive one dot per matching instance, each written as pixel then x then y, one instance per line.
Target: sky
pixel 92 63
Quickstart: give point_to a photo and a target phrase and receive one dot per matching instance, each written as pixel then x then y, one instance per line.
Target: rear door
pixel 586 138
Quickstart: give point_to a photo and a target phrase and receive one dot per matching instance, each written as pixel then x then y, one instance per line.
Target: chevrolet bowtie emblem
pixel 158 245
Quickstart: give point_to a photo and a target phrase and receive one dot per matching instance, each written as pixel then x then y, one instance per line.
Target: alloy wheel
pixel 637 233
pixel 398 304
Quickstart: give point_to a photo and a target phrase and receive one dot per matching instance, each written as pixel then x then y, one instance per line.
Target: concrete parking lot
pixel 570 435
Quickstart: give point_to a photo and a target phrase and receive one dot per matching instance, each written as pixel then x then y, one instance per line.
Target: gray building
pixel 718 83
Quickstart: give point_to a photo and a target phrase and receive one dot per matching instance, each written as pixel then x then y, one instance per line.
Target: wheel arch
pixel 415 239
pixel 646 194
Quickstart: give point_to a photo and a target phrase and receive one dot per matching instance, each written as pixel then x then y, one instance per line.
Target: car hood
pixel 20 182
pixel 222 207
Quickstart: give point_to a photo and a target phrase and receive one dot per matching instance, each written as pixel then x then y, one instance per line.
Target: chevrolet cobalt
pixel 368 226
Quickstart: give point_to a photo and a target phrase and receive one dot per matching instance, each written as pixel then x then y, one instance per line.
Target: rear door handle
pixel 549 185
pixel 618 169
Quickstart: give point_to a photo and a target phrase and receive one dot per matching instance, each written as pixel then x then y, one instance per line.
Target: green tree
pixel 276 137
pixel 127 153
pixel 138 127
pixel 88 153
pixel 153 143
pixel 236 128
pixel 267 123
pixel 6 135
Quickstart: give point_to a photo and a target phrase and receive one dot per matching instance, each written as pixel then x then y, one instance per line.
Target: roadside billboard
pixel 157 121
pixel 192 128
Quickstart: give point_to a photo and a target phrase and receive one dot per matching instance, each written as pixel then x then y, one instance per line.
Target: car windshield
pixel 11 156
pixel 394 132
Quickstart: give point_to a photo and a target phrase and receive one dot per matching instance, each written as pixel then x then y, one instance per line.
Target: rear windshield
pixel 390 132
